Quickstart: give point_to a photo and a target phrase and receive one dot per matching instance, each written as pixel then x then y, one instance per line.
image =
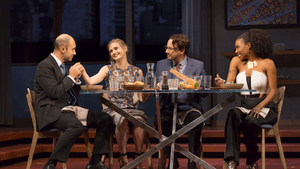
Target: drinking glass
pixel 207 81
pixel 114 84
pixel 173 84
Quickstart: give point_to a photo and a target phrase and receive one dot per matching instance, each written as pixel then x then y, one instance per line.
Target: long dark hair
pixel 260 40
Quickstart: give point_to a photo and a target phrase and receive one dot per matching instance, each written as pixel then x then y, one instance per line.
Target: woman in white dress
pixel 256 71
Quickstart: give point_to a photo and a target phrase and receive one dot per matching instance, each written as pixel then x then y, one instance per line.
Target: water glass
pixel 160 82
pixel 207 81
pixel 173 84
pixel 114 84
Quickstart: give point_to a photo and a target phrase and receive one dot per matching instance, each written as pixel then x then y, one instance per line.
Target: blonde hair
pixel 120 42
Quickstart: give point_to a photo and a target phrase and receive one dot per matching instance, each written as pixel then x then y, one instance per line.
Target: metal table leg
pixel 173 137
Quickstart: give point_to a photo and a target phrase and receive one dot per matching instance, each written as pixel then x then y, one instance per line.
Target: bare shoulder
pixel 269 62
pixel 235 61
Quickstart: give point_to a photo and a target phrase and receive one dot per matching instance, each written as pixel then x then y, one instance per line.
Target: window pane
pixel 155 22
pixel 31 30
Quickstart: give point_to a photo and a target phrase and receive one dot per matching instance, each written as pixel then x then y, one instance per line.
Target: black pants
pixel 193 135
pixel 236 121
pixel 72 129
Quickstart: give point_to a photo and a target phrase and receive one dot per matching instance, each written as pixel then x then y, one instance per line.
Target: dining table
pixel 163 140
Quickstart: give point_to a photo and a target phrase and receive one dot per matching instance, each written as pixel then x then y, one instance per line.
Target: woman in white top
pixel 256 71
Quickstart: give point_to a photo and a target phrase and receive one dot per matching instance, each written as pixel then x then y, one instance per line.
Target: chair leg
pixel 32 148
pixel 279 146
pixel 87 143
pixel 225 164
pixel 148 147
pixel 201 151
pixel 263 148
pixel 64 166
pixel 111 151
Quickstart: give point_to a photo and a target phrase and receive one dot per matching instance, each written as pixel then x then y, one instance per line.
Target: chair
pixel 52 133
pixel 273 130
pixel 268 129
pixel 147 140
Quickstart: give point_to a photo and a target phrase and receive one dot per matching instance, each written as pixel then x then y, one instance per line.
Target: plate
pixel 232 86
pixel 91 87
pixel 134 86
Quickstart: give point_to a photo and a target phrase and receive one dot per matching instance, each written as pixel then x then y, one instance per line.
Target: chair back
pixel 30 96
pixel 279 100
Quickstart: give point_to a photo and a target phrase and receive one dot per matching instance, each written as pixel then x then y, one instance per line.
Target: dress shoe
pixel 253 166
pixel 98 166
pixel 192 165
pixel 231 165
pixel 49 166
pixel 175 164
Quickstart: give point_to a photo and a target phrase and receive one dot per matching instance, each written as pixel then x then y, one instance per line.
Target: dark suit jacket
pixel 193 67
pixel 52 91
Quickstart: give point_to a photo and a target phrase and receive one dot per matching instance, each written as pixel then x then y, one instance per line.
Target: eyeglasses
pixel 166 48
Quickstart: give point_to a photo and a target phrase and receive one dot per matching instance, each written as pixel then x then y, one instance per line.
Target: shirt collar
pixel 182 63
pixel 57 60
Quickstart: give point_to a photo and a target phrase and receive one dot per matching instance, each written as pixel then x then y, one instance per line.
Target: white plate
pixel 232 86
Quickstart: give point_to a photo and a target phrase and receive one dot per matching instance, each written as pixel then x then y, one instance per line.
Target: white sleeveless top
pixel 259 82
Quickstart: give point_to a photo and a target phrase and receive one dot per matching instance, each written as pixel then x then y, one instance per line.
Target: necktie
pixel 73 99
pixel 178 66
pixel 63 69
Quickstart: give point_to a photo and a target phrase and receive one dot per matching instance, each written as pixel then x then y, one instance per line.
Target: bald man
pixel 57 89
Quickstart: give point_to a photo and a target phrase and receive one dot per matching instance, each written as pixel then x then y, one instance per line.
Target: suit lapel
pixel 189 69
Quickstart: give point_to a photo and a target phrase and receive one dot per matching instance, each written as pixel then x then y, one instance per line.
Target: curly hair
pixel 181 42
pixel 260 41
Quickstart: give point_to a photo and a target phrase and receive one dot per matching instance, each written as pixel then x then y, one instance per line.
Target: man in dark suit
pixel 189 105
pixel 56 88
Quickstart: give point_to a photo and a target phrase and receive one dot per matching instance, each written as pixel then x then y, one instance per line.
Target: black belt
pixel 250 96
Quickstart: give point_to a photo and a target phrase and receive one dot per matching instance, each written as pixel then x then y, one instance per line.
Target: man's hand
pixel 76 71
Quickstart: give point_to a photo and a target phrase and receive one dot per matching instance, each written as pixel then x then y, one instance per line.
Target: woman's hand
pixel 255 112
pixel 219 81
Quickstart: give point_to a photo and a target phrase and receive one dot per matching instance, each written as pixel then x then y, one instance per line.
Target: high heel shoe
pixel 232 164
pixel 253 166
pixel 119 160
pixel 135 156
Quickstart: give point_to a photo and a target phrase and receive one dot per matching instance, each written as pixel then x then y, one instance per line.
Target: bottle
pixel 165 85
pixel 150 77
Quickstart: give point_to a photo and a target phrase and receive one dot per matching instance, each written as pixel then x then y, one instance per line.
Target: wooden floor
pixel 80 163
pixel 15 146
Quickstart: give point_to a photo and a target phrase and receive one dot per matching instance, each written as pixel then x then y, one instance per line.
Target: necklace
pixel 251 64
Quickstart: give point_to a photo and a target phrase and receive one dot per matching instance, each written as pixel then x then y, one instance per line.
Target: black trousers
pixel 237 121
pixel 193 135
pixel 72 128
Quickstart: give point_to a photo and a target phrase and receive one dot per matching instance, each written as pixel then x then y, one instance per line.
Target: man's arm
pixel 46 78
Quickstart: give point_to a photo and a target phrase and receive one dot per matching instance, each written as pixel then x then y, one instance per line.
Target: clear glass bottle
pixel 150 76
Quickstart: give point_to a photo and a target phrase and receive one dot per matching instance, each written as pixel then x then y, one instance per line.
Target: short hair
pixel 119 41
pixel 62 40
pixel 181 42
pixel 260 40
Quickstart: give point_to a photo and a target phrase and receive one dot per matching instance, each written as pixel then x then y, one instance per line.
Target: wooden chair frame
pixel 272 130
pixel 53 133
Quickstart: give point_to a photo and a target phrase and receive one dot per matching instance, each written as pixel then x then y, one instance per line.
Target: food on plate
pixel 183 77
pixel 138 83
pixel 129 83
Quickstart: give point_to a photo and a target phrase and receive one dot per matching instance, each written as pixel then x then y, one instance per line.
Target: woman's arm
pixel 233 70
pixel 97 78
pixel 272 82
